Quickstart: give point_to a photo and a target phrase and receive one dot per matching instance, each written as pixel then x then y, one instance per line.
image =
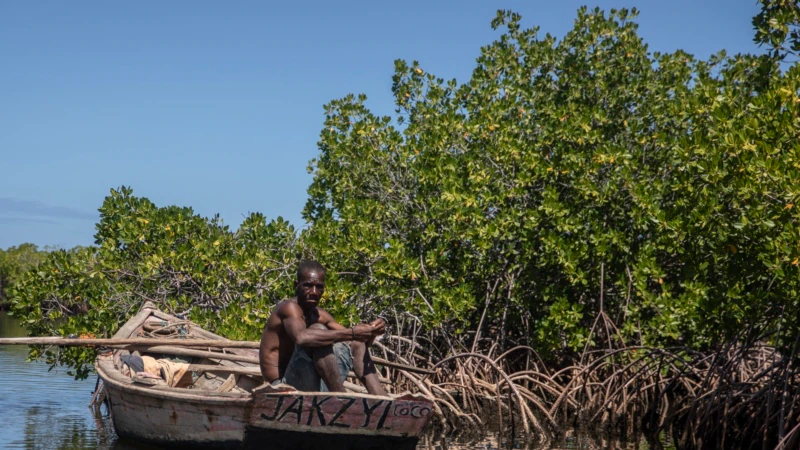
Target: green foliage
pixel 14 262
pixel 187 265
pixel 778 27
pixel 562 166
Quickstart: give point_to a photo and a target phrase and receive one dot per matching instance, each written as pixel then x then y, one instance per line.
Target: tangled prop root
pixel 746 394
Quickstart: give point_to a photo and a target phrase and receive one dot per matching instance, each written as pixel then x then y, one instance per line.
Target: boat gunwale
pixel 403 396
pixel 164 392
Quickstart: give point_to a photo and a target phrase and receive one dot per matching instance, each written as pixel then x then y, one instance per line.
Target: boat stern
pixel 336 420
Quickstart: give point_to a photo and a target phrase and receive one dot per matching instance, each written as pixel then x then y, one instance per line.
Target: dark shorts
pixel 302 375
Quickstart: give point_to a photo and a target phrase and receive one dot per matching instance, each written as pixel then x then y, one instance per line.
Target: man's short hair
pixel 309 266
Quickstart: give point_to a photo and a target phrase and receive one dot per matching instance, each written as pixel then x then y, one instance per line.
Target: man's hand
pixel 379 326
pixel 363 332
pixel 367 332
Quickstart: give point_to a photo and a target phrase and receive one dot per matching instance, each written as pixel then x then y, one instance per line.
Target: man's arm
pixel 327 319
pixel 378 325
pixel 303 336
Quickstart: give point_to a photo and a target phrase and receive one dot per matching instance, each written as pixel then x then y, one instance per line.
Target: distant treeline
pixel 14 262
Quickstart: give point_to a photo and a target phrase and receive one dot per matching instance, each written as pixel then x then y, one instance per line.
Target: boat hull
pixel 313 420
pixel 225 424
pixel 300 420
pixel 160 421
pixel 145 414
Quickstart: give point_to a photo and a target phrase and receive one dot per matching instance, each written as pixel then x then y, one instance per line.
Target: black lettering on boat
pixel 316 403
pixel 368 411
pixel 296 408
pixel 401 410
pixel 277 410
pixel 345 407
pixel 383 417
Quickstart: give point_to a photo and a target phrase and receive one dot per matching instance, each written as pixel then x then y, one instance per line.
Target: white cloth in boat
pixel 175 374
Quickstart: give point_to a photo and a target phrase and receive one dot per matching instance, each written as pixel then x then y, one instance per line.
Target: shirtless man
pixel 304 346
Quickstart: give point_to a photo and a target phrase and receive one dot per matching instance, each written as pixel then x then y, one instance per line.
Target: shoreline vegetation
pixel 584 232
pixel 15 262
pixel 739 396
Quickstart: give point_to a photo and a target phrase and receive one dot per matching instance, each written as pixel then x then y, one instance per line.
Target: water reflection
pixel 49 410
pixel 42 409
pixel 10 327
pixel 572 440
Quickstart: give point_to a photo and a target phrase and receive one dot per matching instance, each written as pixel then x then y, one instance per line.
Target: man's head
pixel 310 283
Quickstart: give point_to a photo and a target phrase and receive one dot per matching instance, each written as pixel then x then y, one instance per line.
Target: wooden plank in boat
pixel 171 350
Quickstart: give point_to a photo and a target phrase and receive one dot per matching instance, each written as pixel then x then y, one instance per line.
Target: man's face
pixel 310 287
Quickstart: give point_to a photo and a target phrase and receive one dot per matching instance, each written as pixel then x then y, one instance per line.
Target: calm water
pixel 44 409
pixel 41 409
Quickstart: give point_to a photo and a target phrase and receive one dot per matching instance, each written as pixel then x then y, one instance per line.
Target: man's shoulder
pixel 323 311
pixel 288 305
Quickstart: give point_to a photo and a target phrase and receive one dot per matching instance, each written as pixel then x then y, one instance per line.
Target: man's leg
pixel 301 373
pixel 325 364
pixel 365 369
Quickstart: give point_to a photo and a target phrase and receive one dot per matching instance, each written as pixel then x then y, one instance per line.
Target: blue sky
pixel 218 105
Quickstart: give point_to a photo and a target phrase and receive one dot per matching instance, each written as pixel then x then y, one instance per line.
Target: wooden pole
pixel 67 342
pixel 239 370
pixel 177 347
pixel 171 350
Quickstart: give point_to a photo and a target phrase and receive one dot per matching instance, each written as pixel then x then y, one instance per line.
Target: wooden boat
pixel 227 406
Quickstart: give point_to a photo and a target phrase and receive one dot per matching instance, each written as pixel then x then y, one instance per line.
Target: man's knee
pixel 358 347
pixel 317 352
